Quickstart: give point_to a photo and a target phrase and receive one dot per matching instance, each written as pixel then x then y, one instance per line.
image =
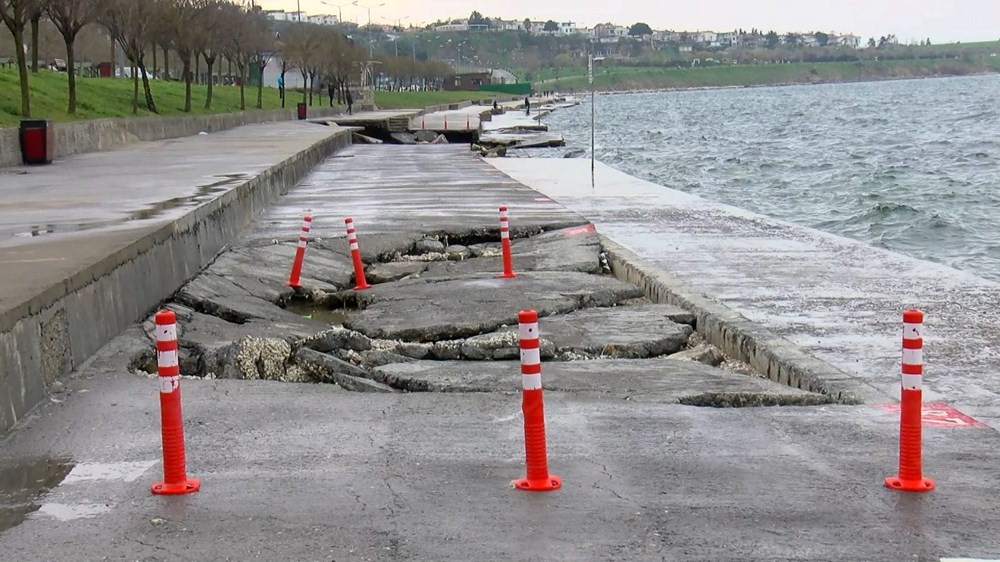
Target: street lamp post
pixel 340 12
pixel 371 46
pixel 593 112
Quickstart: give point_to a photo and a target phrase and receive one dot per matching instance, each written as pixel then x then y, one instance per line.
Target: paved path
pixel 840 299
pixel 310 472
pixel 57 220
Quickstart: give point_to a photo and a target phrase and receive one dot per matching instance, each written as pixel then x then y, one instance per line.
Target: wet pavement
pixel 839 299
pixel 407 448
pixel 56 220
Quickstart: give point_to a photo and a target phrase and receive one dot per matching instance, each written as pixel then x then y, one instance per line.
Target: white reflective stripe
pixel 503 215
pixel 504 235
pixel 169 384
pixel 166 333
pixel 167 358
pixel 531 382
pixel 531 356
pixel 913 356
pixel 354 245
pixel 527 331
pixel 913 382
pixel 302 243
pixel 911 331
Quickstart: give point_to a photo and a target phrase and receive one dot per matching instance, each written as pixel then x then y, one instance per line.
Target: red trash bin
pixel 302 110
pixel 37 141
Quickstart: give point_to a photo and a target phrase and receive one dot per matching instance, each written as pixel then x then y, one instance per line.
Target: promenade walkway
pixel 840 299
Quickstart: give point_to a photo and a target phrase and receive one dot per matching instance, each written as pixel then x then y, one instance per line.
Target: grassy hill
pixel 102 97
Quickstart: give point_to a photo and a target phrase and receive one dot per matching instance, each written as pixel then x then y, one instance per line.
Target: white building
pixel 277 15
pixel 323 20
pixel 568 28
pixel 852 41
pixel 504 25
pixel 707 37
pixel 453 27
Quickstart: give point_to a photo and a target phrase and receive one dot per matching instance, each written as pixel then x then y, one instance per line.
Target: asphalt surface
pixel 839 299
pixel 310 472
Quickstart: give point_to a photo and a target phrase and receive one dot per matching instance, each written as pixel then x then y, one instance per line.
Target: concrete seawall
pixel 94 135
pixel 57 330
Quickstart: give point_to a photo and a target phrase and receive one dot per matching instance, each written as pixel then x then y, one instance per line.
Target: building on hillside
pixel 568 28
pixel 453 26
pixel 469 80
pixel 505 25
pixel 728 39
pixel 281 15
pixel 666 37
pixel 707 38
pixel 686 48
pixel 324 19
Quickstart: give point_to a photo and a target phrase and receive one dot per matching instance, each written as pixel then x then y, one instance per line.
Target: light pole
pixel 340 13
pixel 593 112
pixel 371 46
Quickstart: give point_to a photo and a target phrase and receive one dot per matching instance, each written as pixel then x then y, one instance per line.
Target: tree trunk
pixel 154 60
pixel 22 70
pixel 260 86
pixel 305 84
pixel 243 86
pixel 150 104
pixel 197 68
pixel 186 69
pixel 71 74
pixel 34 43
pixel 312 86
pixel 114 59
pixel 208 97
pixel 166 63
pixel 283 88
pixel 135 89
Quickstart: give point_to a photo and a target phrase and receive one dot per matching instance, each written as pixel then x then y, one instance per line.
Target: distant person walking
pixel 332 91
pixel 527 106
pixel 350 102
pixel 281 89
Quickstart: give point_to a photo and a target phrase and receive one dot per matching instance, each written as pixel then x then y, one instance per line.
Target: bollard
pixel 537 478
pixel 508 267
pixel 422 124
pixel 445 122
pixel 359 269
pixel 467 122
pixel 910 477
pixel 300 252
pixel 175 480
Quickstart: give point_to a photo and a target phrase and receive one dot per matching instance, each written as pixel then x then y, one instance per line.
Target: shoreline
pixel 598 91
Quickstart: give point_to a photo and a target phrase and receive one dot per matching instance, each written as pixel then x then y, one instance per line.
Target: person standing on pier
pixel 527 106
pixel 350 102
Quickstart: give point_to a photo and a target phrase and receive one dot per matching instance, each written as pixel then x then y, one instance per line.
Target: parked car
pixel 59 65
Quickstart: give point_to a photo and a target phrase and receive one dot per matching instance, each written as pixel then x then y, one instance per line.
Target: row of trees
pixel 209 29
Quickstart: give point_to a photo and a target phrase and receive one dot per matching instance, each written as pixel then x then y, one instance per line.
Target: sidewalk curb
pixel 774 356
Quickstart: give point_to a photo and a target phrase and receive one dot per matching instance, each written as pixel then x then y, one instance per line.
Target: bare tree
pixel 181 22
pixel 213 22
pixel 15 15
pixel 69 17
pixel 301 49
pixel 129 22
pixel 35 17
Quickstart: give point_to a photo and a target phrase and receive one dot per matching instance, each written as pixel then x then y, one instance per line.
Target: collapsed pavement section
pixel 438 318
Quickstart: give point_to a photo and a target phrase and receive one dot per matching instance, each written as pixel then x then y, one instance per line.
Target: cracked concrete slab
pixel 572 249
pixel 394 271
pixel 648 380
pixel 262 271
pixel 428 310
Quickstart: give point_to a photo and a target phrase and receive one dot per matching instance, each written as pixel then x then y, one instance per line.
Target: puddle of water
pixel 327 316
pixel 66 512
pixel 21 485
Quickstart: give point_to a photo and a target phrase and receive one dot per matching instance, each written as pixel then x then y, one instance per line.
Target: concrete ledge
pixel 769 354
pixel 55 332
pixel 94 135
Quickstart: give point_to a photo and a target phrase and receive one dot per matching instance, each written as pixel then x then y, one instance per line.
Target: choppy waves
pixel 913 166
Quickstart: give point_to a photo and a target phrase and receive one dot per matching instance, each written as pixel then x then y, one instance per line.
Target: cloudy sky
pixel 939 20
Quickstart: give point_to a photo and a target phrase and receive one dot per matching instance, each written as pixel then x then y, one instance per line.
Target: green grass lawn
pixel 103 97
pixel 420 100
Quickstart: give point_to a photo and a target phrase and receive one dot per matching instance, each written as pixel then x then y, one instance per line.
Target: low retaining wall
pixel 769 354
pixel 54 333
pixel 94 135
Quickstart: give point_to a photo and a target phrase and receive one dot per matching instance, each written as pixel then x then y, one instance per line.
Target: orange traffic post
pixel 467 122
pixel 300 253
pixel 175 480
pixel 360 283
pixel 446 122
pixel 508 267
pixel 537 478
pixel 910 477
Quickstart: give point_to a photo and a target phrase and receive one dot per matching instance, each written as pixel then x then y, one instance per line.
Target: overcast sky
pixel 939 20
